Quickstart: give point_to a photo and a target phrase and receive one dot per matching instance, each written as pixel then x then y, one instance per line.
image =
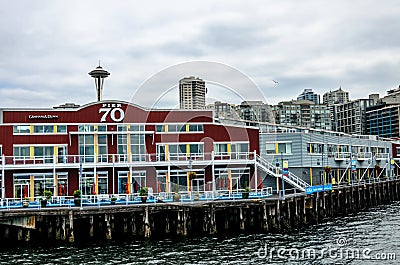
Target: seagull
pixel 276 82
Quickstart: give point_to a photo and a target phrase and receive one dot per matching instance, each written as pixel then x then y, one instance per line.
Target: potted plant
pixel 246 192
pixel 192 175
pixel 327 169
pixel 77 197
pixel 113 199
pixel 25 202
pixel 196 196
pixel 177 196
pixel 46 197
pixel 143 193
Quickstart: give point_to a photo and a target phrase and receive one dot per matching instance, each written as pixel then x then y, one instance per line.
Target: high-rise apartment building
pixel 351 116
pixel 303 113
pixel 337 96
pixel 255 110
pixel 192 93
pixel 383 120
pixel 223 110
pixel 308 94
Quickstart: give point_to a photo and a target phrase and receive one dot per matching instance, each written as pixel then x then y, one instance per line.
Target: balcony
pixel 117 159
pixel 364 156
pixel 382 156
pixel 341 156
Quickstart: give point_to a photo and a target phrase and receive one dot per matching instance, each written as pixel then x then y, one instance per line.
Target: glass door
pixel 21 191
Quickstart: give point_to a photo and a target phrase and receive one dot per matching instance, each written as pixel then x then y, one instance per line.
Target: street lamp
pixel 283 182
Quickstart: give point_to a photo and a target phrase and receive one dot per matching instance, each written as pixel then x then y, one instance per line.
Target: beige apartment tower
pixel 192 93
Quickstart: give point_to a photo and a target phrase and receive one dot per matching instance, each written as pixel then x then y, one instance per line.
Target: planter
pixel 43 203
pixel 196 197
pixel 25 204
pixel 245 195
pixel 143 198
pixel 177 197
pixel 77 201
pixel 112 202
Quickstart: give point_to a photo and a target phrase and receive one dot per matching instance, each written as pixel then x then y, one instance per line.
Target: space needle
pixel 99 74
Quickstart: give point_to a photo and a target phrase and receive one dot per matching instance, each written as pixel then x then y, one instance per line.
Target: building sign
pixel 286 168
pixel 113 110
pixel 313 189
pixel 43 117
pixel 353 165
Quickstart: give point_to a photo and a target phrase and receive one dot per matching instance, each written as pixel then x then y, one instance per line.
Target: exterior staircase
pixel 275 171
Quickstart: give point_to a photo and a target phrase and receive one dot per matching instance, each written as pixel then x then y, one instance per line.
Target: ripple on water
pixel 377 229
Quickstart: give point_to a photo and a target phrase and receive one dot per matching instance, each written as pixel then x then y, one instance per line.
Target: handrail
pixel 119 158
pixel 290 177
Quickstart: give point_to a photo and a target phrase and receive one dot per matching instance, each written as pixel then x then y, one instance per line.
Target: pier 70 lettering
pixel 112 113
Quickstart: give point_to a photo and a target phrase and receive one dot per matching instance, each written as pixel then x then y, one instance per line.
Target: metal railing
pixel 278 172
pixel 120 158
pixel 129 199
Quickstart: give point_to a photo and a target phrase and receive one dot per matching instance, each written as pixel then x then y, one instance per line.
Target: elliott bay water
pixel 368 237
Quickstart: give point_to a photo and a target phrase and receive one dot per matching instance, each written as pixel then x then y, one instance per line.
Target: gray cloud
pixel 47 48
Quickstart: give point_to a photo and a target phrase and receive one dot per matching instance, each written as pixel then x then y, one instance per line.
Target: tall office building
pixel 192 93
pixel 351 116
pixel 308 94
pixel 337 96
pixel 254 110
pixel 303 113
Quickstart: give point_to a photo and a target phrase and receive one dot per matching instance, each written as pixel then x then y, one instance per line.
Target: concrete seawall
pixel 161 220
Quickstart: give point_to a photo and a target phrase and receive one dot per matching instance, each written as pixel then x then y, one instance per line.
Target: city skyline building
pixel 337 96
pixel 255 110
pixel 351 116
pixel 192 93
pixel 303 113
pixel 308 94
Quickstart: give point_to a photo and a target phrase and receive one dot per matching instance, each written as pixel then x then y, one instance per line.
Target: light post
pixel 190 171
pixel 80 180
pixel 283 182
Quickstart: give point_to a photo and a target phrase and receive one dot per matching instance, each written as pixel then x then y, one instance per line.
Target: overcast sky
pixel 48 47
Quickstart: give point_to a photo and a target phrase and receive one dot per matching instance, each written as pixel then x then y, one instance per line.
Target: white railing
pixel 342 155
pixel 364 155
pixel 121 158
pixel 277 172
pixel 127 199
pixel 382 156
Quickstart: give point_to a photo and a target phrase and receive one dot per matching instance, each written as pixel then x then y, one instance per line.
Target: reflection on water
pixel 355 239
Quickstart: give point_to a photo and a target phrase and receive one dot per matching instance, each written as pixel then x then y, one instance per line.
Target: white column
pixel 255 170
pixel 213 173
pixel 3 187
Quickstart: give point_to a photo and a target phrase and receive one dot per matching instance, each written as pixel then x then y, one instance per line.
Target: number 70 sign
pixel 112 112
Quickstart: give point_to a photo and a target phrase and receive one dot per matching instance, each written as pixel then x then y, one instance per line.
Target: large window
pixel 61 128
pixel 138 147
pixel 180 151
pixel 24 184
pixel 39 129
pixel 43 128
pixel 279 148
pixel 315 148
pixel 22 129
pixel 88 183
pixel 137 181
pixel 86 147
pixel 22 152
pixel 44 152
pixel 179 128
pixel 102 147
pixel 221 148
pixel 235 178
